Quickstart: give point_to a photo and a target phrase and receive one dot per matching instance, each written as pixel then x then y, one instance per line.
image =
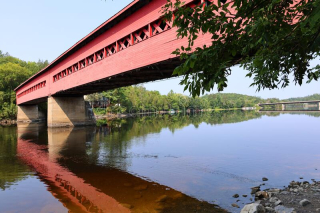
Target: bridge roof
pixel 292 102
pixel 122 14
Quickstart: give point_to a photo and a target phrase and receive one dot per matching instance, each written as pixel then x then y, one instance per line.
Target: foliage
pixel 13 72
pixel 314 97
pixel 271 39
pixel 11 169
pixel 134 99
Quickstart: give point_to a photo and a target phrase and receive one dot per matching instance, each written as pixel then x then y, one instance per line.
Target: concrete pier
pixel 29 113
pixel 69 111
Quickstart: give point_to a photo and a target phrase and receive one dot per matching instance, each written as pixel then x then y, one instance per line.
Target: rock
pixel 264 179
pixel 141 187
pixel 162 198
pixel 244 195
pixel 283 209
pixel 304 202
pixel 318 210
pixel 301 177
pixel 277 203
pixel 273 199
pixel 235 196
pixel 270 210
pixel 305 182
pixel 253 208
pixel 255 189
pixel 276 191
pixel 262 194
pixel 284 192
pixel 127 205
pixel 235 205
pixel 293 183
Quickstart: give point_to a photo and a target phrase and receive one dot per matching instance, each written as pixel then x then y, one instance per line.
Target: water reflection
pixel 167 163
pixel 70 166
pixel 11 169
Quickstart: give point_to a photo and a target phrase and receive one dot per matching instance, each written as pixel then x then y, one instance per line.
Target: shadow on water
pixel 73 175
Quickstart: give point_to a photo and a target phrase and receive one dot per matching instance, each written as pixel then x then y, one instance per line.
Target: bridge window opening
pixel 154 32
pixel 69 70
pixel 113 50
pixel 32 89
pixel 75 67
pixel 143 35
pixel 100 55
pixel 90 60
pixel 163 25
pixel 82 64
pixel 126 43
pixel 64 73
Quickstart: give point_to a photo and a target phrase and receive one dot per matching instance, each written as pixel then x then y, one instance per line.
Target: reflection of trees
pixel 11 169
pixel 118 135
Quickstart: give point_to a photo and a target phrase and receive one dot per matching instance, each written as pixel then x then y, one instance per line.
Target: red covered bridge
pixel 132 47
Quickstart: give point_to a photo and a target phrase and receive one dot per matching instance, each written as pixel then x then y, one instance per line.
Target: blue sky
pixel 35 29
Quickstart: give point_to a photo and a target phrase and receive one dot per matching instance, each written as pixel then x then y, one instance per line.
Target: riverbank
pixel 7 122
pixel 298 196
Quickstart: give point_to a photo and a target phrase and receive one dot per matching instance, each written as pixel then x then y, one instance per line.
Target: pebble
pixel 304 202
pixel 273 199
pixel 264 179
pixel 261 194
pixel 283 209
pixel 270 210
pixel 284 192
pixel 235 205
pixel 277 203
pixel 244 195
pixel 255 189
pixel 253 208
pixel 235 196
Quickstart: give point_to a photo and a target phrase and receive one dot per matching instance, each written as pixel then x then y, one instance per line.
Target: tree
pixel 271 39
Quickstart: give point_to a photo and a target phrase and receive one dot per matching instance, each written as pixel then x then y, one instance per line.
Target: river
pixel 160 163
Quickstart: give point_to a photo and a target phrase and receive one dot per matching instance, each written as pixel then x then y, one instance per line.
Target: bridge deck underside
pixel 158 71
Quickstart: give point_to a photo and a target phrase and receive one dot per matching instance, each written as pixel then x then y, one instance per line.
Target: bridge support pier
pixel 283 107
pixel 69 111
pixel 29 113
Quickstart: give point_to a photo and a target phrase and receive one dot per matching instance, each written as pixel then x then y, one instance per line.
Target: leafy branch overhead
pixel 271 39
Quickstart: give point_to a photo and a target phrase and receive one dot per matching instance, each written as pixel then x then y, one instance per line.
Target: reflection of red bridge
pixel 132 47
pixel 82 195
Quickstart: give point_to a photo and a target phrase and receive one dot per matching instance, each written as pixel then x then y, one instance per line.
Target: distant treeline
pixel 13 72
pixel 314 97
pixel 137 98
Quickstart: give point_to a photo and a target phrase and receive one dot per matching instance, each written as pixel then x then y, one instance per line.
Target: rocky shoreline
pixel 297 197
pixel 7 122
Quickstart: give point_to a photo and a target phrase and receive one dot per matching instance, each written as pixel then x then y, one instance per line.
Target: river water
pixel 167 163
